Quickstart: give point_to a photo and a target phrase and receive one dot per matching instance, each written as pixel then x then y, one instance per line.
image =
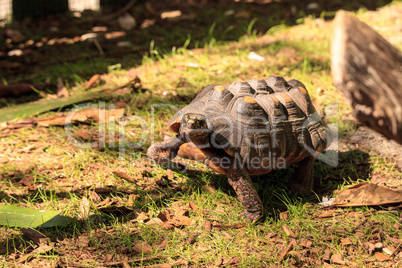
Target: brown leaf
pixel 83 241
pixel 234 226
pixel 381 257
pixel 94 197
pixel 95 115
pixel 182 221
pixel 296 256
pixel 85 135
pixel 141 247
pixel 34 235
pixel 61 89
pixel 207 226
pixel 181 232
pixel 231 261
pixel 219 261
pixel 192 239
pixel 367 194
pixel 53 121
pixel 360 235
pixel 93 81
pixel 337 259
pixel 168 225
pixel 287 249
pixel 180 262
pixel 346 241
pixel 163 216
pixel 162 245
pixel 124 176
pixel 288 232
pixel 357 225
pixel 192 206
pixel 154 221
pixel 327 214
pixel 284 215
pixel 43 248
pixel 203 248
pixel 84 208
pixel 27 180
pixel 327 255
pixel 170 174
pixel 306 243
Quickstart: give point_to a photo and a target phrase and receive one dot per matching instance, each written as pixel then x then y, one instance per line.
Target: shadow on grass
pixel 202 23
pixel 353 165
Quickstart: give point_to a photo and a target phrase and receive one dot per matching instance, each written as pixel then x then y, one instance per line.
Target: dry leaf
pixel 284 215
pixel 288 232
pixel 141 247
pixel 27 180
pixel 95 115
pixel 346 241
pixel 84 208
pixel 327 255
pixel 33 234
pixel 337 259
pixel 61 89
pixel 381 257
pixel 83 135
pixel 306 243
pixel 203 248
pixel 93 81
pixel 367 194
pixel 182 220
pixel 219 261
pixel 171 14
pixel 154 221
pixel 231 261
pixel 207 226
pixel 169 173
pixel 287 249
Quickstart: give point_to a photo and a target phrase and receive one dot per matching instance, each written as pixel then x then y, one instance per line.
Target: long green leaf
pixel 43 105
pixel 13 216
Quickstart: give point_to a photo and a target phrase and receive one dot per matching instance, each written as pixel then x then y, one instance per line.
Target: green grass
pixel 63 174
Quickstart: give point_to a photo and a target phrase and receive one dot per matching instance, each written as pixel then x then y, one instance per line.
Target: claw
pixel 254 217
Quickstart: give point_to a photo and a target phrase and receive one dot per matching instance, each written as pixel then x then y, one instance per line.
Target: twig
pixel 111 16
pixel 99 47
pixel 398 248
pixel 286 251
pixel 234 226
pixel 358 225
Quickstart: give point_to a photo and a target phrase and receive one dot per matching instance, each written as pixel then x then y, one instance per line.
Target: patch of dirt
pixel 370 140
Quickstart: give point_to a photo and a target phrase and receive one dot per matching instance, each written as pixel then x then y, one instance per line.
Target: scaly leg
pixel 240 180
pixel 303 177
pixel 163 151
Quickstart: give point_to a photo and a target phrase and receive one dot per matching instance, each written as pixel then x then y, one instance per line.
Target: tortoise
pixel 249 128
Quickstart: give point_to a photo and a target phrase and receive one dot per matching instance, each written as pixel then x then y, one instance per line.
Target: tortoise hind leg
pixel 303 177
pixel 240 180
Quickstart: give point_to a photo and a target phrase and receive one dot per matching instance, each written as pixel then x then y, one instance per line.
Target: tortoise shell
pixel 270 124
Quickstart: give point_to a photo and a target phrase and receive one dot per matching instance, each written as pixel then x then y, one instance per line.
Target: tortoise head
pixel 194 127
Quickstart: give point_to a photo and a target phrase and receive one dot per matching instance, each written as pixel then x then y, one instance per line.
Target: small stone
pixel 378 245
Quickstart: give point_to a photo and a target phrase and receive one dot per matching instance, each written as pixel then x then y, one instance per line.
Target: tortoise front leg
pixel 240 180
pixel 303 178
pixel 163 151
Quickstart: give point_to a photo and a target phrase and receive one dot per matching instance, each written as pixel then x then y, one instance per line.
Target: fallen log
pixel 368 70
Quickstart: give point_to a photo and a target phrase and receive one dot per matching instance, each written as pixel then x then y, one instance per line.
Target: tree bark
pixel 368 70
